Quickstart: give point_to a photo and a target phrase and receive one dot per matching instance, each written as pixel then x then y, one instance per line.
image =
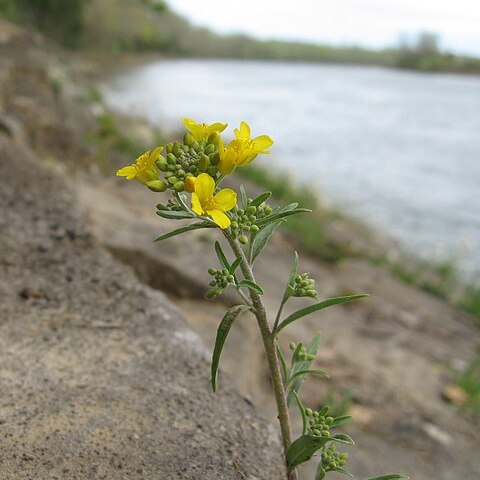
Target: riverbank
pixel 400 344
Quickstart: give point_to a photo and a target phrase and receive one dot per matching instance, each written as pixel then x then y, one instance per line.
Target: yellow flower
pixel 190 184
pixel 243 149
pixel 203 130
pixel 144 169
pixel 204 202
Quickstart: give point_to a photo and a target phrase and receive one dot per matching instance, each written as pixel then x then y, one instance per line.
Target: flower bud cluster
pixel 332 459
pixel 304 286
pixel 243 220
pixel 302 353
pixel 171 205
pixel 221 280
pixel 318 425
pixel 187 159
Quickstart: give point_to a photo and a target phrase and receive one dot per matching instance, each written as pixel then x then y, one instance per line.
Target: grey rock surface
pixel 100 378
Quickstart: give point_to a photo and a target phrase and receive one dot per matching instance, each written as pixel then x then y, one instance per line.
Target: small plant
pixel 469 382
pixel 196 167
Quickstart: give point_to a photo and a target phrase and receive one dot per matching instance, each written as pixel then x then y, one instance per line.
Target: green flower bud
pixel 203 163
pixel 161 163
pixel 254 228
pixel 196 147
pixel 308 412
pixel 298 279
pixel 171 168
pixel 209 149
pixel 171 159
pixel 212 271
pixel 212 171
pixel 176 149
pixel 168 147
pixel 179 186
pixel 329 420
pixel 316 432
pixel 180 172
pixel 325 433
pixel 310 357
pixel 161 206
pixel 215 159
pixel 250 210
pixel 243 240
pixel 230 279
pixel 292 346
pixel 188 138
pixel 172 180
pixel 234 224
pixel 157 186
pixel 212 283
pixel 268 210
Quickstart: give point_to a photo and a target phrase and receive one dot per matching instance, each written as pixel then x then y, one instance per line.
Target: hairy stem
pixel 271 353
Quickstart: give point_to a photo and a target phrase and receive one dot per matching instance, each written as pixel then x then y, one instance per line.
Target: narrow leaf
pixel 222 333
pixel 302 412
pixel 283 363
pixel 342 438
pixel 340 420
pixel 343 471
pixel 391 476
pixel 274 217
pixel 291 278
pixel 188 228
pixel 174 214
pixel 251 285
pixel 294 386
pixel 221 256
pixel 181 200
pixel 300 373
pixel 262 238
pixel 303 448
pixel 318 306
pixel 319 474
pixel 263 197
pixel 243 196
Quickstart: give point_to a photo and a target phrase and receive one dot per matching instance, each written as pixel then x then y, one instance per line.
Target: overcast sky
pixel 370 23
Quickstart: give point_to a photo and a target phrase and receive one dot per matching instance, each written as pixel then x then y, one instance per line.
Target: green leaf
pixel 291 278
pixel 274 217
pixel 262 238
pixel 340 420
pixel 222 333
pixel 243 196
pixel 342 470
pixel 302 412
pixel 300 373
pixel 319 475
pixel 342 438
pixel 303 448
pixel 251 285
pixel 235 265
pixel 391 476
pixel 188 228
pixel 221 256
pixel 174 214
pixel 318 306
pixel 263 197
pixel 283 363
pixel 181 200
pixel 294 386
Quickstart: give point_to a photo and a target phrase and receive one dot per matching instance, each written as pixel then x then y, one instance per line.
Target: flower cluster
pixel 318 425
pixel 197 165
pixel 301 353
pixel 243 219
pixel 221 280
pixel 332 460
pixel 304 286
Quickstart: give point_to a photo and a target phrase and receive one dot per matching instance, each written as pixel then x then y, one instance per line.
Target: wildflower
pixel 203 130
pixel 144 169
pixel 190 184
pixel 204 202
pixel 243 149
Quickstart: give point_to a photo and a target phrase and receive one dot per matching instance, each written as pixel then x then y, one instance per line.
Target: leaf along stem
pixel 272 357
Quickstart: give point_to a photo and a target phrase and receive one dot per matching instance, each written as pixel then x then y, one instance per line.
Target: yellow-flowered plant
pixel 197 166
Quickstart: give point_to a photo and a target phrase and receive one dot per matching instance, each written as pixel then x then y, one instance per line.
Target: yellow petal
pixel 190 184
pixel 219 218
pixel 130 172
pixel 262 143
pixel 225 199
pixel 189 123
pixel 154 155
pixel 204 187
pixel 227 161
pixel 216 127
pixel 243 133
pixel 196 205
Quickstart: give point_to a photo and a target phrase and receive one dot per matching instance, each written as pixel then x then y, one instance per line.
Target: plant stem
pixel 271 353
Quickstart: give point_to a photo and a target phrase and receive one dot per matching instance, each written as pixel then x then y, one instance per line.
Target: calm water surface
pixel 400 149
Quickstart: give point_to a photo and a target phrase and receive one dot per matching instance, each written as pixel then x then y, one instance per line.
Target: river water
pixel 398 149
